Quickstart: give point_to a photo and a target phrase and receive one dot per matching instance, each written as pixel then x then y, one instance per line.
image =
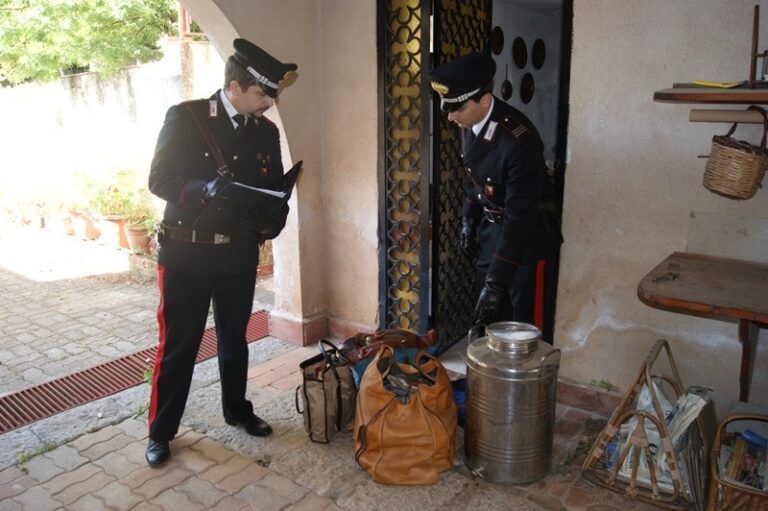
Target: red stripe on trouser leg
pixel 538 304
pixel 160 348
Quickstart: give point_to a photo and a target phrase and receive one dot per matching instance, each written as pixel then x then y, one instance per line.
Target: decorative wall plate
pixel 519 52
pixel 497 40
pixel 527 88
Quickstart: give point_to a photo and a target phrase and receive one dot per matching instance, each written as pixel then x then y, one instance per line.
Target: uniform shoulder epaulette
pixel 199 105
pixel 269 121
pixel 515 128
pixel 193 101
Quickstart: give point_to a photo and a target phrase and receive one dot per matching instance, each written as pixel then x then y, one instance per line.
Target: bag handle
pixel 417 363
pixel 765 124
pixel 328 355
pixel 386 353
pixel 399 338
pixel 330 352
pixel 298 390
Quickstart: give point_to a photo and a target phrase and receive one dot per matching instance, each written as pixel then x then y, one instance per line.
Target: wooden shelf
pixel 742 96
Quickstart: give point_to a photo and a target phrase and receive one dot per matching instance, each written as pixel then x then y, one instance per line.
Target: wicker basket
pixel 724 496
pixel 735 168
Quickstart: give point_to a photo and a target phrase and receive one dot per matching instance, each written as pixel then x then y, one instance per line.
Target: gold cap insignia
pixel 288 79
pixel 440 88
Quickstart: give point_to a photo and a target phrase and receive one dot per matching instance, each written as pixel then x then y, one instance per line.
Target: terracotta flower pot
pixel 138 239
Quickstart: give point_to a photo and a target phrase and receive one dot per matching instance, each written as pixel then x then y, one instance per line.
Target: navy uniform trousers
pixel 531 297
pixel 185 299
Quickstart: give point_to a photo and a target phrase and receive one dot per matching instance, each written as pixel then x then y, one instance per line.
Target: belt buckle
pixel 219 239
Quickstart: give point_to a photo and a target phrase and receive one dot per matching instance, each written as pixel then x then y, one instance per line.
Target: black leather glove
pixel 468 237
pixel 488 306
pixel 275 224
pixel 214 187
pixel 265 228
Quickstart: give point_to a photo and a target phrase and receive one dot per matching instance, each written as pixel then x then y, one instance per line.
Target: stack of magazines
pixel 745 461
pixel 686 438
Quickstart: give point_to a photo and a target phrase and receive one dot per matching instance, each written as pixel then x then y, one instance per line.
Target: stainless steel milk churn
pixel 510 403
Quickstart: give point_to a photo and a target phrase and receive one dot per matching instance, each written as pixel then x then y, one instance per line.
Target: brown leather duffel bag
pixel 363 346
pixel 405 420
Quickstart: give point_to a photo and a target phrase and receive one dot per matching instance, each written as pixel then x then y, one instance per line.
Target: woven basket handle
pixel 765 124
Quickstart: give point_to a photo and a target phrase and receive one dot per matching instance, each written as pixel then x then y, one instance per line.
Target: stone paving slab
pixel 92 457
pixel 70 304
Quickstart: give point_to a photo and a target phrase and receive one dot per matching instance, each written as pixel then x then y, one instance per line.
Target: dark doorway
pixel 531 43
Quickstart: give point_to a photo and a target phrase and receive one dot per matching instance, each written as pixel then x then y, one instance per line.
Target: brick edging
pixel 587 398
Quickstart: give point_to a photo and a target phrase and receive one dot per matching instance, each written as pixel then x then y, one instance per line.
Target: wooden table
pixel 717 288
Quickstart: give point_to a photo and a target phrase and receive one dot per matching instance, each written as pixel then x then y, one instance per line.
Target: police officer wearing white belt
pixel 508 219
pixel 196 267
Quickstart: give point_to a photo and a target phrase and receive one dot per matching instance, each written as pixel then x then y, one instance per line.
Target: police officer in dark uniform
pixel 508 218
pixel 195 267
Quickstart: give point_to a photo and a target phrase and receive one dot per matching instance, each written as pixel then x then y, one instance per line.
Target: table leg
pixel 748 340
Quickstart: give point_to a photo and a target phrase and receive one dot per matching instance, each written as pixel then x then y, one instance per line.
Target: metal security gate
pixel 413 268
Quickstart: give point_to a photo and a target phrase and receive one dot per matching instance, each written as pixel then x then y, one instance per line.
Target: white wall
pixel 633 179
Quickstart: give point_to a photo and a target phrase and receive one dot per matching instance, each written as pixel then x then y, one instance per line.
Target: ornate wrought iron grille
pixel 461 27
pixel 403 52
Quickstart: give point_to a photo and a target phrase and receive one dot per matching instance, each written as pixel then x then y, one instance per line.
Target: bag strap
pixel 399 338
pixel 417 363
pixel 385 353
pixel 328 355
pixel 329 351
pixel 221 166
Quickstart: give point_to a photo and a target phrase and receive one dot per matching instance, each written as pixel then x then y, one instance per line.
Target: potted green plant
pixel 113 200
pixel 140 225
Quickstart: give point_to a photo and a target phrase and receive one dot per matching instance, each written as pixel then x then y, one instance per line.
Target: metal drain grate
pixel 35 403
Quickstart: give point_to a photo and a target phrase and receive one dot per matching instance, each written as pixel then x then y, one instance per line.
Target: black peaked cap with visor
pixel 461 78
pixel 271 74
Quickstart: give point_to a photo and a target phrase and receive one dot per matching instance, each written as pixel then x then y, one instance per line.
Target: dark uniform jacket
pixel 506 181
pixel 183 163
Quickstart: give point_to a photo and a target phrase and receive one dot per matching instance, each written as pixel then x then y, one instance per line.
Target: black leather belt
pixel 495 217
pixel 193 236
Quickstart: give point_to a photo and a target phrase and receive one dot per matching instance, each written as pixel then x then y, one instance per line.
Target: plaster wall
pixel 633 189
pixel 94 126
pixel 326 260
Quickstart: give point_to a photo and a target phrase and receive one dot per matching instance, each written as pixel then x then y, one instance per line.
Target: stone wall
pixel 58 135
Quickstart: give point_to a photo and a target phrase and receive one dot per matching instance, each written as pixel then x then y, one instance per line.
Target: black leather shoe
pixel 253 425
pixel 157 453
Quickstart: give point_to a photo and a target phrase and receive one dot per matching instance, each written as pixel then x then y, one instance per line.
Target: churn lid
pixel 512 349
